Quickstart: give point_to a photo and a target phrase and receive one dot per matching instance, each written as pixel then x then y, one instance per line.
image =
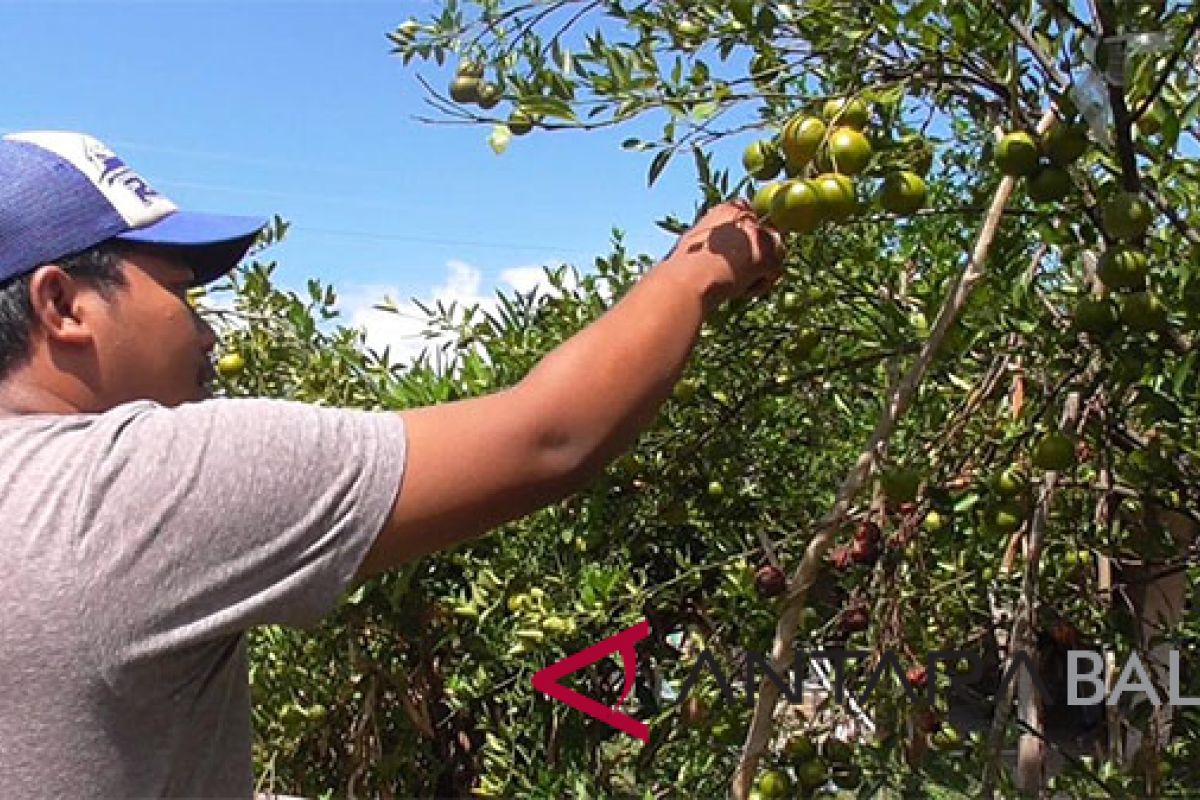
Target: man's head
pixel 94 271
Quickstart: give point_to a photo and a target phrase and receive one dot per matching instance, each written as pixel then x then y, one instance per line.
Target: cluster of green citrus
pixel 1123 269
pixel 821 156
pixel 1125 218
pixel 470 87
pixel 1010 497
pixel 1043 161
pixel 809 767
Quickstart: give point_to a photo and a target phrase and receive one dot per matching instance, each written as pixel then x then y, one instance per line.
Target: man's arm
pixel 475 464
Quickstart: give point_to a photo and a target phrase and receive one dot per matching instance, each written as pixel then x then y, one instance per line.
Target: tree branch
pixel 805 575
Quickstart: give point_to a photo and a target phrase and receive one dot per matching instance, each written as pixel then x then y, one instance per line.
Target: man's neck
pixel 18 398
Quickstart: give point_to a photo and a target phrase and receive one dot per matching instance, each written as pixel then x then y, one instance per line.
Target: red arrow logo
pixel 546 680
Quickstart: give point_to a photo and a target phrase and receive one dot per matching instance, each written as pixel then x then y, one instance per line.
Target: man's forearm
pixel 606 384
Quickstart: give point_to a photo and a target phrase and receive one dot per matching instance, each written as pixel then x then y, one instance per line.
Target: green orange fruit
pixel 1054 451
pixel 800 139
pixel 1065 143
pixel 846 151
pixel 1009 482
pixel 520 123
pixel 800 748
pixel 685 390
pixel 1017 154
pixel 792 305
pixel 464 89
pixel 1049 184
pixel 812 773
pixel 934 522
pixel 761 203
pixel 903 192
pixel 470 68
pixel 848 111
pixel 489 95
pixel 1123 267
pixel 1007 516
pixel 838 200
pixel 774 784
pixel 762 160
pixel 796 208
pixel 292 715
pixel 1126 216
pixel 231 365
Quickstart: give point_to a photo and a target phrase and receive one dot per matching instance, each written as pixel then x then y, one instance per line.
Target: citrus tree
pixel 966 421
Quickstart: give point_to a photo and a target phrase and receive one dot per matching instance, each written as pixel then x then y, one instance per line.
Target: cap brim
pixel 215 243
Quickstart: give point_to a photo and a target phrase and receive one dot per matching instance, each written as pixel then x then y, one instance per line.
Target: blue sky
pixel 296 108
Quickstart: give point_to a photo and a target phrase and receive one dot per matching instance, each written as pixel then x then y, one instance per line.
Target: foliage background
pixel 420 684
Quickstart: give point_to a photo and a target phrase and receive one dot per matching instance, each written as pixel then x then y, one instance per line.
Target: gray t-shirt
pixel 136 547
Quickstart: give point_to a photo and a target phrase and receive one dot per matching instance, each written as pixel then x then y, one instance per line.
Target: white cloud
pixel 462 284
pixel 402 330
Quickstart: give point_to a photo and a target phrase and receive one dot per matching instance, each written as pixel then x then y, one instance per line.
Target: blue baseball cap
pixel 62 192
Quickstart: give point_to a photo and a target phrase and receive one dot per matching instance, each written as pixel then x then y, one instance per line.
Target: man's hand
pixel 737 254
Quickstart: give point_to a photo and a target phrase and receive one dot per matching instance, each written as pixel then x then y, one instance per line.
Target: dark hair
pixel 98 266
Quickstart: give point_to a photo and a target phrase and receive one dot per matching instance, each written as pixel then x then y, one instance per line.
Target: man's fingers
pixel 739 205
pixel 766 241
pixel 771 244
pixel 731 211
pixel 734 230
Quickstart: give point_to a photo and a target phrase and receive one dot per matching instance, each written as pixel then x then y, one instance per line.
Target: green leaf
pixel 550 107
pixel 703 111
pixel 966 503
pixel 658 165
pixel 1170 127
pixel 1182 373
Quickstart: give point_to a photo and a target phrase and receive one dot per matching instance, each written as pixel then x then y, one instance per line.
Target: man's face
pixel 151 344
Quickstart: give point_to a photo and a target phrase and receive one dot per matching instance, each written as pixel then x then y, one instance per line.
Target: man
pixel 144 526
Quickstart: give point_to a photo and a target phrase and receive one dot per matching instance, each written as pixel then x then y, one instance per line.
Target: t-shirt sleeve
pixel 205 519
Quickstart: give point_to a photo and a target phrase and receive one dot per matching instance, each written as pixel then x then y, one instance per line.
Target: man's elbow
pixel 562 457
pixel 567 466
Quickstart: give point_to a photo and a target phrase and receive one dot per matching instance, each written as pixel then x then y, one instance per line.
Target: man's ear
pixel 61 304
